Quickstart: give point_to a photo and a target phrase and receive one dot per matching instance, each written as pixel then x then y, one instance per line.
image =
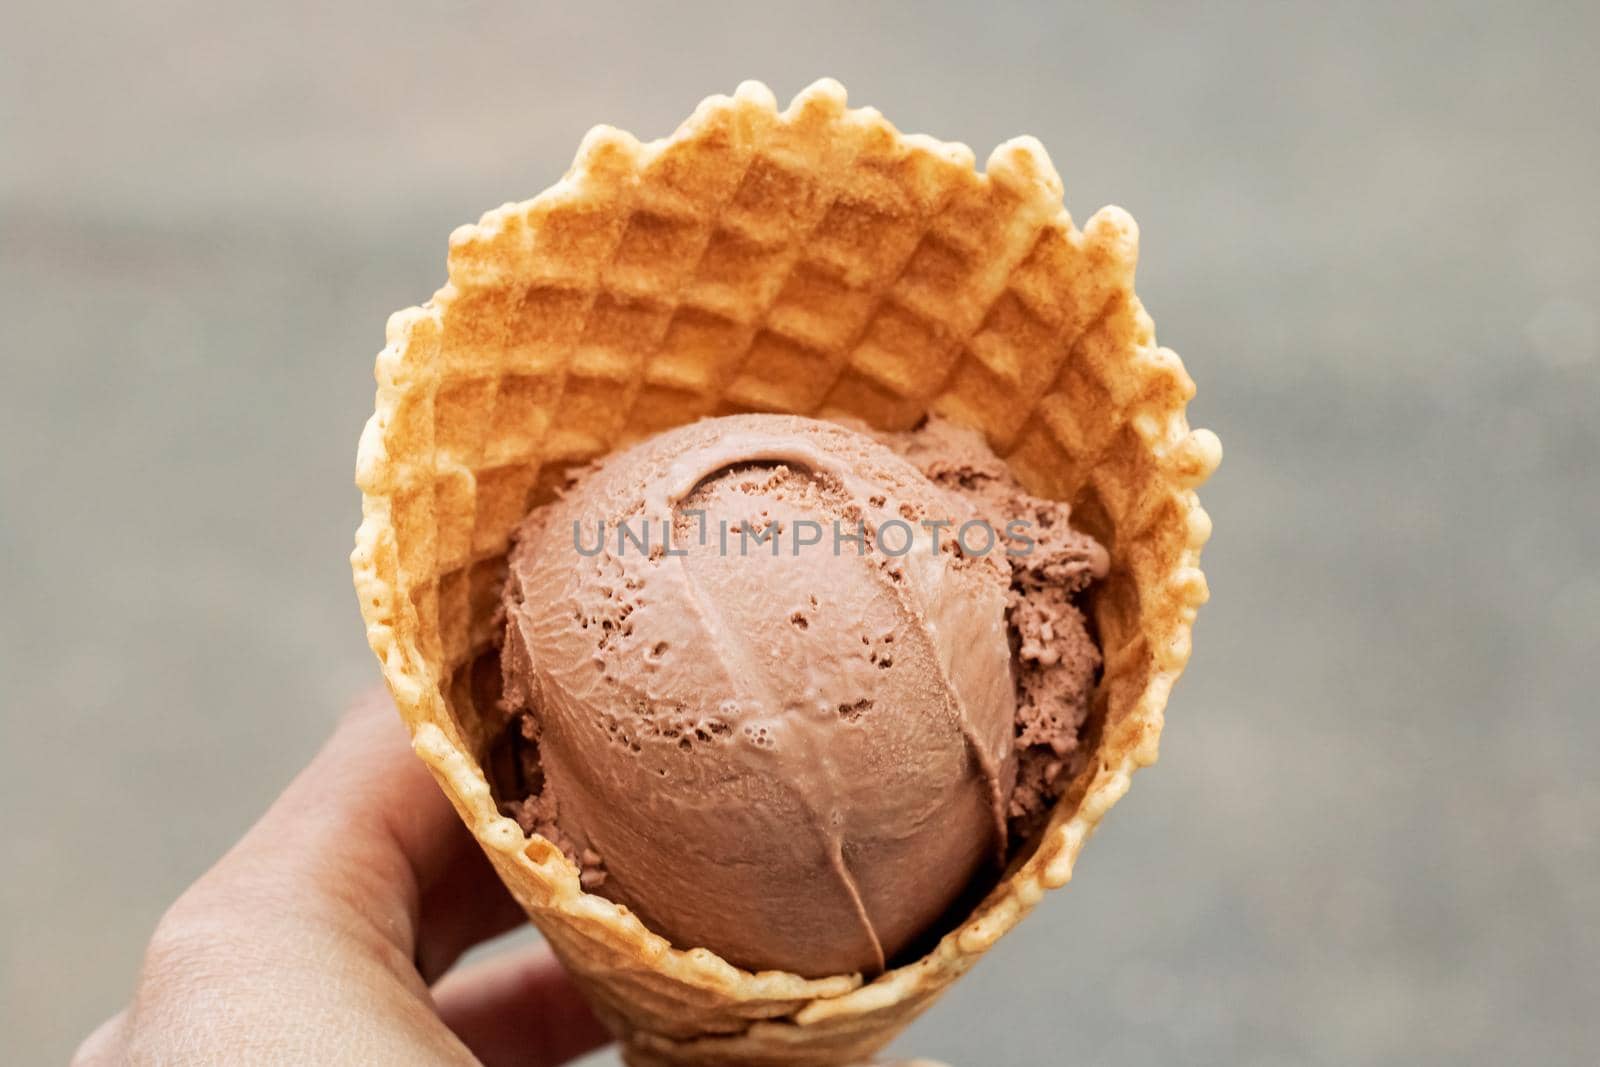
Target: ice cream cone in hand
pixel 767 803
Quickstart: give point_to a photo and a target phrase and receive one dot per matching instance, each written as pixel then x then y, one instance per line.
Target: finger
pixel 462 900
pixel 467 905
pixel 519 1010
pixel 368 785
pixel 363 838
pixel 101 1046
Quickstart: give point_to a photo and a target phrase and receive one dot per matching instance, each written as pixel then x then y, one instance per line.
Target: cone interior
pixel 813 261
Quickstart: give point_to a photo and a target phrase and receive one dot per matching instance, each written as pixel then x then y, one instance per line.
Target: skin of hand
pixel 326 934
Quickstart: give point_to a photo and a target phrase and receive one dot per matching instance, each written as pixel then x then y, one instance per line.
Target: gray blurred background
pixel 1372 235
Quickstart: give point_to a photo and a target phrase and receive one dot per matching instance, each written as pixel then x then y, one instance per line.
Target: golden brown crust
pixel 815 261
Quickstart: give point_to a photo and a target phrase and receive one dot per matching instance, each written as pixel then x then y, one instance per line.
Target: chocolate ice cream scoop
pixel 768 675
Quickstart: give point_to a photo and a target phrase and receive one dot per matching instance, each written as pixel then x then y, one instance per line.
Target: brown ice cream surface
pixel 766 736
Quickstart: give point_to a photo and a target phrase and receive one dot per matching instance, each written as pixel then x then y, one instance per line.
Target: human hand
pixel 324 936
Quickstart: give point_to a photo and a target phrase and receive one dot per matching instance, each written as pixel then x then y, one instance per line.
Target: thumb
pixel 518 1009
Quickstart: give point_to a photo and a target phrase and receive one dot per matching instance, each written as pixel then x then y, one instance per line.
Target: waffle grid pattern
pixel 812 261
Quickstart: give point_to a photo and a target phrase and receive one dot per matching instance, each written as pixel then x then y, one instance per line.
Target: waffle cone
pixel 813 261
